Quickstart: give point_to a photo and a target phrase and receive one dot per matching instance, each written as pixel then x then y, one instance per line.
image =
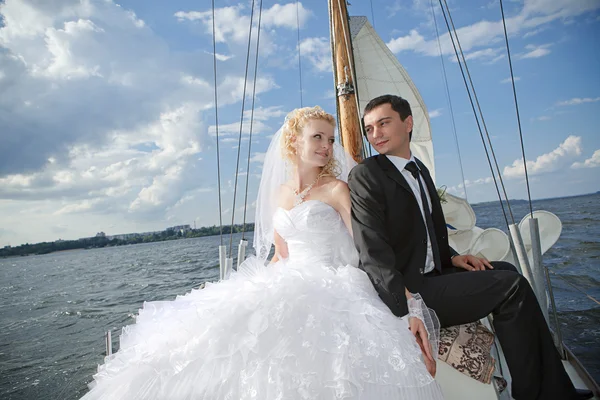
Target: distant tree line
pixel 103 241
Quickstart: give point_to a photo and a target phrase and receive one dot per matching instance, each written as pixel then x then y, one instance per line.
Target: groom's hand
pixel 471 263
pixel 417 327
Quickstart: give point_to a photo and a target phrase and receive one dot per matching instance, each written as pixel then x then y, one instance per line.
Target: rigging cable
pixel 481 114
pixel 437 33
pixel 252 117
pixel 299 53
pixel 512 78
pixel 475 114
pixel 237 168
pixel 217 123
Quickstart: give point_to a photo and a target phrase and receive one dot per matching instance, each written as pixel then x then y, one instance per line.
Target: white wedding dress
pixel 309 327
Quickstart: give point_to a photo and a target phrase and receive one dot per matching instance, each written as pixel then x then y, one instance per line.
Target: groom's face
pixel 386 131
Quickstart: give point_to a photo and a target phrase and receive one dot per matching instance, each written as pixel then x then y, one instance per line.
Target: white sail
pixel 378 72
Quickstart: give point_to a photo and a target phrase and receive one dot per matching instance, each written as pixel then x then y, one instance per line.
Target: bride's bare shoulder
pixel 337 185
pixel 285 195
pixel 336 192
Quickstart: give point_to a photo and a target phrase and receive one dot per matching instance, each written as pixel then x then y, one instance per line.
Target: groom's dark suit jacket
pixel 390 234
pixel 389 230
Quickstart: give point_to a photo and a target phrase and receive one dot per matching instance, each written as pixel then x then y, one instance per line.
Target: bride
pixel 309 325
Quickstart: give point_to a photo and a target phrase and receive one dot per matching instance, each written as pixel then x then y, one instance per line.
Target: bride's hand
pixel 417 328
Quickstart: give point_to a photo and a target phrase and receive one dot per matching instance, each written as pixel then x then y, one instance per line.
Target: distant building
pixel 127 236
pixel 124 236
pixel 180 228
pixel 98 235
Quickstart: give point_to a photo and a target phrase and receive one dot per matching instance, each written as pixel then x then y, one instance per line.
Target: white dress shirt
pixel 400 163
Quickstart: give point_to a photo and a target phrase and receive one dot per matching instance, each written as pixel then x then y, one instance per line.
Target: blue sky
pixel 107 115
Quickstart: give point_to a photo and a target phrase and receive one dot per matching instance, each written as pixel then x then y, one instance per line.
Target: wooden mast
pixel 346 101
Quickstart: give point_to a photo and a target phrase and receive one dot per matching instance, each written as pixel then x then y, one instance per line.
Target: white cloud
pixel 483 34
pixel 94 175
pixel 287 15
pixel 266 113
pixel 106 124
pixel 392 10
pixel 231 89
pixel 435 113
pixel 548 162
pixel 509 80
pixel 533 32
pixel 220 57
pixel 233 129
pixel 544 118
pixel 261 115
pixel 232 23
pixel 479 181
pixel 83 206
pixel 258 157
pixel 535 51
pixel 61 44
pixel 578 100
pixel 413 41
pixel 491 4
pixel 490 54
pixel 318 51
pixel 593 161
pixel 460 188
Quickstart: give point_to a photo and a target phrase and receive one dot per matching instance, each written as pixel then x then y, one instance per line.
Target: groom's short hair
pixel 397 103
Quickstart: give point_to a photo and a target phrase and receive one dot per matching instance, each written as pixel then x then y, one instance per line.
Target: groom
pixel 400 232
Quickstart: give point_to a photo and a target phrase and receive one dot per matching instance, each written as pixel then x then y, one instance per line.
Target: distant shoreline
pixel 101 240
pixel 201 232
pixel 534 200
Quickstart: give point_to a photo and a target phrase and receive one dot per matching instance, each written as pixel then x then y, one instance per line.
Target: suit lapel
pixel 390 169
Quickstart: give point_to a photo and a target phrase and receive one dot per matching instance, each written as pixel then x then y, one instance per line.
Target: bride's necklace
pixel 300 196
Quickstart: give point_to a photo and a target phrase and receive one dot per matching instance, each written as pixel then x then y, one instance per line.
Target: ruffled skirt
pixel 271 333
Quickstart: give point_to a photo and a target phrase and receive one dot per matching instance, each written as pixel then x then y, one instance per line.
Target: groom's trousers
pixel 467 296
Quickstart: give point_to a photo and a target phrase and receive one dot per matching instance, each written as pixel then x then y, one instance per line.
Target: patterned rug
pixel 467 348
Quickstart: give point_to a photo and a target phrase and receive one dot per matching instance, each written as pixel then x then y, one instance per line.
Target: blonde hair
pixel 295 122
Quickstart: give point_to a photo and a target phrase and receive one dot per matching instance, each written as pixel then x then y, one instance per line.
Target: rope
pixel 237 167
pixel 481 114
pixel 512 78
pixel 589 296
pixel 437 33
pixel 475 114
pixel 299 55
pixel 252 119
pixel 217 123
pixel 372 14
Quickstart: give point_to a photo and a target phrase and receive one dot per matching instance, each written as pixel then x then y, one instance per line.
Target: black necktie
pixel 414 170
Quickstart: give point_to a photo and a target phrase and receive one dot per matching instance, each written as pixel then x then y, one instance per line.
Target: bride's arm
pixel 281 250
pixel 341 198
